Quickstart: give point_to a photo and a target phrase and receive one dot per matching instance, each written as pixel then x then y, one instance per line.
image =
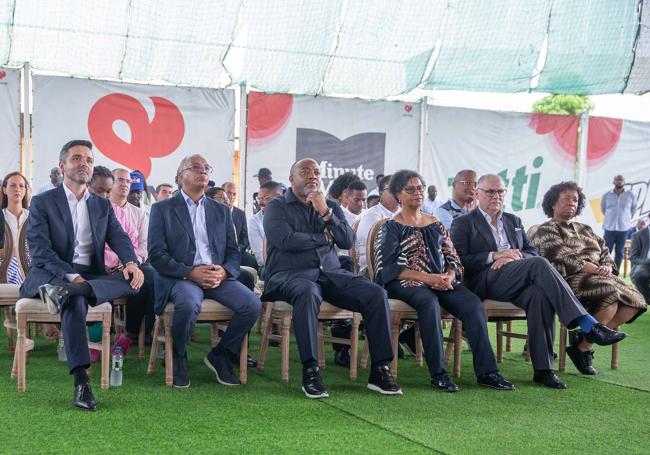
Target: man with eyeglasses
pixel 135 222
pixel 192 246
pixel 302 267
pixel 463 198
pixel 501 264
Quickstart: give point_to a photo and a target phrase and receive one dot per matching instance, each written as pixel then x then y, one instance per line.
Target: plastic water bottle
pixel 116 369
pixel 60 350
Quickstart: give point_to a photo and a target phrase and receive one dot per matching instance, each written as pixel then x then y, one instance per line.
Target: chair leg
pixel 321 345
pixel 266 333
pixel 419 358
pixel 508 337
pixel 169 359
pixel 151 367
pixel 614 361
pixel 10 331
pixel 394 329
pixel 21 348
pixel 141 341
pixel 458 345
pixel 106 345
pixel 562 353
pixel 450 344
pixel 499 341
pixel 260 319
pixel 364 353
pixel 284 345
pixel 354 346
pixel 243 360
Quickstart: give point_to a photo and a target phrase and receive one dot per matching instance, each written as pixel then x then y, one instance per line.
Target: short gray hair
pixel 489 176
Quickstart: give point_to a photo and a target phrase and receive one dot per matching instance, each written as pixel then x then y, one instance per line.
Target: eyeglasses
pixel 123 181
pixel 467 183
pixel 413 189
pixel 198 169
pixel 490 193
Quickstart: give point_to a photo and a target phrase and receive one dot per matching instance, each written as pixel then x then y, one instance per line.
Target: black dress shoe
pixel 222 368
pixel 381 380
pixel 603 335
pixel 312 383
pixel 181 379
pixel 53 296
pixel 342 358
pixel 234 358
pixel 407 339
pixel 444 383
pixel 495 381
pixel 83 397
pixel 583 360
pixel 549 379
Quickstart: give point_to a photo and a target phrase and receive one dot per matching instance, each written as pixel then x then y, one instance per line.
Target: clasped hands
pixel 208 276
pixel 441 281
pixel 501 258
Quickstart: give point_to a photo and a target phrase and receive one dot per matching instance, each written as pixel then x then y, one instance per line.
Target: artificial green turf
pixel 605 414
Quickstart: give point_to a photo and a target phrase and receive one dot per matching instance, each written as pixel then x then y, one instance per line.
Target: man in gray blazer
pixel 501 263
pixel 640 258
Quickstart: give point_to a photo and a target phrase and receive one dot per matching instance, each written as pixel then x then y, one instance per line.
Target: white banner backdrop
pixel 616 147
pixel 9 120
pixel 367 138
pixel 150 128
pixel 530 152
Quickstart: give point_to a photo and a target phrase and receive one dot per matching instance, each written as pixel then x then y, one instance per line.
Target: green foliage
pixel 563 104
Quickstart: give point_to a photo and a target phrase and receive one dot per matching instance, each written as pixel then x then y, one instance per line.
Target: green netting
pixel 639 80
pixel 590 46
pixel 6 13
pixel 490 45
pixel 166 43
pixel 280 48
pixel 384 50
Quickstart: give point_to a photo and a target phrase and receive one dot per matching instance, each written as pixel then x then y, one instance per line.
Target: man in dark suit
pixel 241 226
pixel 302 229
pixel 641 262
pixel 500 263
pixel 68 228
pixel 192 246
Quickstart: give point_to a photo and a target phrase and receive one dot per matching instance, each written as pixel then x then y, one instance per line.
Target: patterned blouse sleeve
pixel 550 244
pixel 389 261
pixel 452 260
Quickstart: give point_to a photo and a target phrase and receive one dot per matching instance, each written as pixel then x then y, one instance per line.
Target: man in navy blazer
pixel 68 228
pixel 640 258
pixel 192 247
pixel 501 264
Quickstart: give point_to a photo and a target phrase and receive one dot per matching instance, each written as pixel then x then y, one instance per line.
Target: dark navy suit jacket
pixel 472 237
pixel 50 236
pixel 241 227
pixel 172 246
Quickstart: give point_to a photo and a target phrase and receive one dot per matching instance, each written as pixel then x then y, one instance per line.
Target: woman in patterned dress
pixel 416 262
pixel 584 261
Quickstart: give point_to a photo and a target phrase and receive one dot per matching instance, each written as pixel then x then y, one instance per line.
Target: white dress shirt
pixel 197 217
pixel 498 232
pixel 430 206
pixel 83 237
pixel 366 221
pixel 256 236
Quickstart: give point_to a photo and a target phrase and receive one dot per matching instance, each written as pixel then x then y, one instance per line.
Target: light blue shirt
pixel 618 210
pixel 498 232
pixel 197 216
pixel 445 216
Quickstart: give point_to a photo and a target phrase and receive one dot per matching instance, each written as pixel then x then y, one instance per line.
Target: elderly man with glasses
pixel 192 246
pixel 501 264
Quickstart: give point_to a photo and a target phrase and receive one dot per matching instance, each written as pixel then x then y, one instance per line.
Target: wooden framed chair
pixel 212 312
pixel 8 299
pixel 503 313
pixel 34 310
pixel 564 332
pixel 280 313
pixel 401 312
pixel 119 321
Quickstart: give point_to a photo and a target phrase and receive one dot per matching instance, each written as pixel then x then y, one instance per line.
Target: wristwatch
pixel 132 262
pixel 327 213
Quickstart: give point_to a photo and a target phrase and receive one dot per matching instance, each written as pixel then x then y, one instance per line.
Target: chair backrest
pixel 371 246
pixel 354 251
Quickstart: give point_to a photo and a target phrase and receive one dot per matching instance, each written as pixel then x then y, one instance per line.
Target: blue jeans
pixel 616 239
